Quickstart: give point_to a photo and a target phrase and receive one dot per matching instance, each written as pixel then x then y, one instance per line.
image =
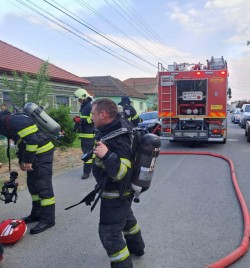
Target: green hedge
pixel 3 153
pixel 62 116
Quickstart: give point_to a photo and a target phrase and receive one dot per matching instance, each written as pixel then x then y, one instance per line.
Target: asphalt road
pixel 190 217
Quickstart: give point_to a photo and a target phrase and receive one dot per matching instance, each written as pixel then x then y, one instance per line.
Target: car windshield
pixel 247 108
pixel 149 115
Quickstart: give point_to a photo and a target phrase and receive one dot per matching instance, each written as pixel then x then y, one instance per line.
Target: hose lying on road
pixel 242 249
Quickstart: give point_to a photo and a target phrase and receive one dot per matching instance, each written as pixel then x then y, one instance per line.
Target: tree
pixel 26 88
pixel 19 86
pixel 41 87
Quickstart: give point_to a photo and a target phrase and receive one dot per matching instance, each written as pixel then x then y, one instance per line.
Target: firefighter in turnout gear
pixel 129 111
pixel 35 154
pixel 85 127
pixel 112 171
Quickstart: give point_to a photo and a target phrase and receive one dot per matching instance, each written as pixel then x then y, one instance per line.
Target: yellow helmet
pixel 81 93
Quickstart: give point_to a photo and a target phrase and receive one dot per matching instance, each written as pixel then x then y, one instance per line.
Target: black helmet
pixel 125 100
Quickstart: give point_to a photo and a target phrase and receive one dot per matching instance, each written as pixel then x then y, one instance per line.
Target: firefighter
pixel 35 154
pixel 112 171
pixel 85 128
pixel 129 111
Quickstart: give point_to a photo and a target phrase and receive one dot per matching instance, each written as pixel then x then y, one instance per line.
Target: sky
pixel 129 38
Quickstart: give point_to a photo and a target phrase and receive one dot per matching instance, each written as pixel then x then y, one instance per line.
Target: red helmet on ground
pixel 11 231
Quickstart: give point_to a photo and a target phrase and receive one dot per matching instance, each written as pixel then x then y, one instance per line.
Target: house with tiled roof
pixel 146 86
pixel 62 83
pixel 115 89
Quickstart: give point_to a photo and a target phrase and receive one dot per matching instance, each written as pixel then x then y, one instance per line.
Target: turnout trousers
pixel 119 232
pixel 39 182
pixel 87 145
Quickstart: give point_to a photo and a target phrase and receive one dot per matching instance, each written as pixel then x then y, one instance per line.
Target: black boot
pixel 86 171
pixel 35 213
pixel 47 219
pixel 41 227
pixel 85 176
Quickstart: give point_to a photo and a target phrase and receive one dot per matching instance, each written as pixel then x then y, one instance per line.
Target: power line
pixel 110 23
pixel 90 28
pixel 67 29
pixel 120 57
pixel 146 28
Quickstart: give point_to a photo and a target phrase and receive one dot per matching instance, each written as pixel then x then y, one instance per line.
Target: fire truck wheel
pixel 224 141
pixel 248 137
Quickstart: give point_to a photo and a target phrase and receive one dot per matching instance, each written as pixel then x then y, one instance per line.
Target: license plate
pixel 190 134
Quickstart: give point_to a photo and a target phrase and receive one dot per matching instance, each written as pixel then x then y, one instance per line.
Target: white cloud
pixel 188 18
pixel 223 3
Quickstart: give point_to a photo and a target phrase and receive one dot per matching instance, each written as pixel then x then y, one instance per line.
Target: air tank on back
pixel 42 118
pixel 146 155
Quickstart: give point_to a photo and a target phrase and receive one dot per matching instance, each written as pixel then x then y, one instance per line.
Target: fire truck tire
pixel 248 137
pixel 224 141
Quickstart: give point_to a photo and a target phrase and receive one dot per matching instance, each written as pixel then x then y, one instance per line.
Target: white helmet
pixel 82 94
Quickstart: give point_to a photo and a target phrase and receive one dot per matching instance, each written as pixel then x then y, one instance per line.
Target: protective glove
pixel 89 198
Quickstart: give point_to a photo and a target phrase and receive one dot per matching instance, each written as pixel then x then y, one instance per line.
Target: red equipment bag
pixel 11 231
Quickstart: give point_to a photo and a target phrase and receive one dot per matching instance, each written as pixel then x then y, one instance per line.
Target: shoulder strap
pixel 115 133
pixel 7 121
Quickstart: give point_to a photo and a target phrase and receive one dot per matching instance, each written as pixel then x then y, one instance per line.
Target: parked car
pixel 235 117
pixel 151 122
pixel 245 115
pixel 247 131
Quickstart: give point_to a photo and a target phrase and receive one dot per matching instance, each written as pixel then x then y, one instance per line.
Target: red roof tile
pixel 147 85
pixel 14 59
pixel 108 86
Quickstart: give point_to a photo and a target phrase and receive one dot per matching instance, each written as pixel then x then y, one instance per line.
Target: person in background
pixel 119 231
pixel 84 126
pixel 129 111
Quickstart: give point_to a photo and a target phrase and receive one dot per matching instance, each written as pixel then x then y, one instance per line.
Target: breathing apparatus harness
pixel 89 198
pixel 145 150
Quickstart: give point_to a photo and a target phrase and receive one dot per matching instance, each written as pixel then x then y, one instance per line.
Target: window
pixel 62 100
pixel 247 109
pixel 7 100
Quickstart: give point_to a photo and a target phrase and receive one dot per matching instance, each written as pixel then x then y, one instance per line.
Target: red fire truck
pixel 192 101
